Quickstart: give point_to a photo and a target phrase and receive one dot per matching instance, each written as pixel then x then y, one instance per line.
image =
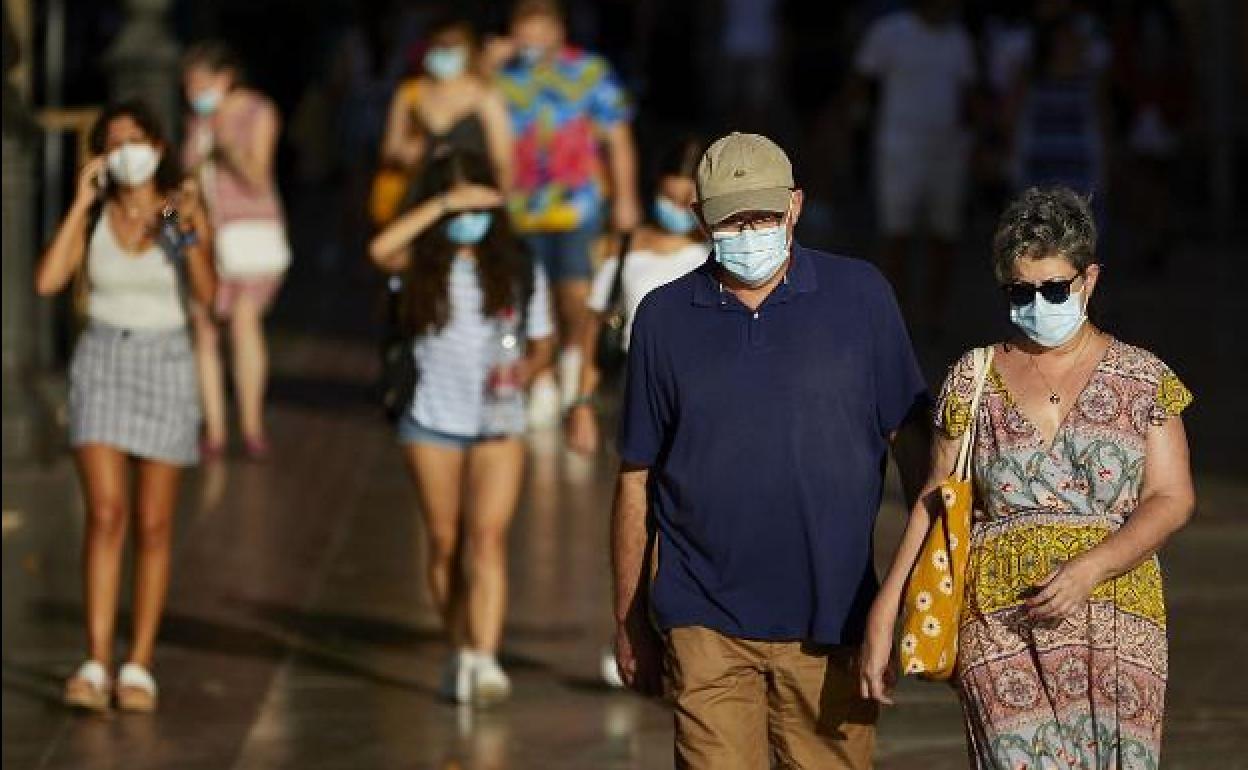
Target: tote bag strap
pixel 983 362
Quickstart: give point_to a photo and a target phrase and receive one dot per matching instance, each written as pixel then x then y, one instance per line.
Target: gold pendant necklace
pixel 1054 397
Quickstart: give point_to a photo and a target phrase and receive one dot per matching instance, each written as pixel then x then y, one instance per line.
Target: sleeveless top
pixel 229 196
pixel 133 291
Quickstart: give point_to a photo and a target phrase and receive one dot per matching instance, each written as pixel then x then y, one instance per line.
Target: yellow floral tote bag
pixel 934 591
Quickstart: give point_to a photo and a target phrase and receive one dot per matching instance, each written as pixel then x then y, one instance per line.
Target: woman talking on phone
pixel 139 248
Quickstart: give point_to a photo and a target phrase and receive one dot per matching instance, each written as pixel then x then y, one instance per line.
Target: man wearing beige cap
pixel 764 391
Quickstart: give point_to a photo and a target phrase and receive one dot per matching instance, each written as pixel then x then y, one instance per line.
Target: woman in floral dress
pixel 1081 474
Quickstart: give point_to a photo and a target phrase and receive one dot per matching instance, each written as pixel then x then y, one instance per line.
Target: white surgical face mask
pixel 206 102
pixel 753 256
pixel 1050 324
pixel 133 163
pixel 446 62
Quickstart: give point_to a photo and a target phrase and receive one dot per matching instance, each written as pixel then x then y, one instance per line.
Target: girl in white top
pixel 477 310
pixel 659 254
pixel 133 401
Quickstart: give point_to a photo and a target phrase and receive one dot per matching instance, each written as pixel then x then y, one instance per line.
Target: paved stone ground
pixel 298 634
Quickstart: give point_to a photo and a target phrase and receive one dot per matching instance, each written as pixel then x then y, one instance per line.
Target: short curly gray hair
pixel 1044 222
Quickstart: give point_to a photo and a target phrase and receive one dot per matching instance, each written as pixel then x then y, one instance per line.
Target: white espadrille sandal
pixel 89 688
pixel 136 689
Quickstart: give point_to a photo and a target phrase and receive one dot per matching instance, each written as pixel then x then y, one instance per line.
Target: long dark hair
pixel 168 174
pixel 504 268
pixel 681 158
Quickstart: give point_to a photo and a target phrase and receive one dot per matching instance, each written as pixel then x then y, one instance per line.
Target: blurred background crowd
pixel 1134 101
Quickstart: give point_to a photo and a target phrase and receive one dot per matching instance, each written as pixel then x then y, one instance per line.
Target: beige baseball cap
pixel 743 172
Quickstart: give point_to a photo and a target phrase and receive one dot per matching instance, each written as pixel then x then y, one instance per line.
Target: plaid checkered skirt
pixel 135 390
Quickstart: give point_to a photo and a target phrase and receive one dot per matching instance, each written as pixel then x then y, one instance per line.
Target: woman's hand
pixel 470 197
pixel 91 179
pixel 876 674
pixel 1065 590
pixel 581 429
pixel 190 200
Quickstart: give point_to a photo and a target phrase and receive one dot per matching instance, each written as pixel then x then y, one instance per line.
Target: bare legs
pixel 158 493
pixel 251 365
pixel 468 499
pixel 571 310
pixel 211 375
pixel 495 470
pixel 104 471
pixel 438 472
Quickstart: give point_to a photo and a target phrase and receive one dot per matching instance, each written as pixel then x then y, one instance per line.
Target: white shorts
pixel 919 181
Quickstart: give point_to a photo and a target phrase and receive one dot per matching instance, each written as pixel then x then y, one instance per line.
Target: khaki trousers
pixel 739 702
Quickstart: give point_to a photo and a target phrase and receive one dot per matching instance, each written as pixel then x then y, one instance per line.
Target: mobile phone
pixel 101 178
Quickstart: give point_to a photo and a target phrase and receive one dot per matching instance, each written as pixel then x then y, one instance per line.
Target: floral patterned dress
pixel 1086 694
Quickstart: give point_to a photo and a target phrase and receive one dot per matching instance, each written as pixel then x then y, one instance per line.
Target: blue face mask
pixel 753 256
pixel 469 228
pixel 673 218
pixel 446 63
pixel 207 102
pixel 1049 324
pixel 530 55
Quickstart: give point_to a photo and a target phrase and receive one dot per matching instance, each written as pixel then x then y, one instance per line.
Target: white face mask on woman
pixel 133 163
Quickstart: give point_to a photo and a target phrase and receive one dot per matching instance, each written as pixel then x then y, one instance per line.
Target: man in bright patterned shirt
pixel 565 104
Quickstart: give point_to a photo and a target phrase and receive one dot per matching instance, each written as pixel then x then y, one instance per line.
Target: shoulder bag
pixel 935 590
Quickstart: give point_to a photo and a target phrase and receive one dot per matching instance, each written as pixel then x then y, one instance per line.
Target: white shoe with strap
pixel 90 687
pixel 136 689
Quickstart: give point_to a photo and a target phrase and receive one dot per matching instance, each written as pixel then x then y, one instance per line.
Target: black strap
pixel 617 283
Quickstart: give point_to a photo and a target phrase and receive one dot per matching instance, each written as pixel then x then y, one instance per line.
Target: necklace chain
pixel 1055 397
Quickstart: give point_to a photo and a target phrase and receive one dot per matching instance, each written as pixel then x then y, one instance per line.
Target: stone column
pixel 22 415
pixel 143 61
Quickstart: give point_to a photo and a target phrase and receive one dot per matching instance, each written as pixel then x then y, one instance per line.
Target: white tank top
pixel 133 291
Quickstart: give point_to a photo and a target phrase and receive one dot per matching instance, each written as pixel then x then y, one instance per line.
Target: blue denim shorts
pixel 412 432
pixel 565 255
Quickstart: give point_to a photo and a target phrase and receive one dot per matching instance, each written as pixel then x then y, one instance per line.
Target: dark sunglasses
pixel 1054 292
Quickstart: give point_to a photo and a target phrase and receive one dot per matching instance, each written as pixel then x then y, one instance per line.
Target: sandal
pixel 89 688
pixel 136 689
pixel 257 448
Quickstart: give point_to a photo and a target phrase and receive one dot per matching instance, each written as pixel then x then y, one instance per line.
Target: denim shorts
pixel 565 255
pixel 412 432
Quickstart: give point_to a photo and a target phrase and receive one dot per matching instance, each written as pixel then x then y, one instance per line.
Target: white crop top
pixel 133 291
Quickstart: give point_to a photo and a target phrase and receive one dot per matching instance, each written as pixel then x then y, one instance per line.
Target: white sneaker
pixel 543 402
pixel 611 669
pixel 490 683
pixel 456 683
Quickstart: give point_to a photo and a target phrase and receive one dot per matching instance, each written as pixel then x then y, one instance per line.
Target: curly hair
pixel 504 267
pixel 1041 223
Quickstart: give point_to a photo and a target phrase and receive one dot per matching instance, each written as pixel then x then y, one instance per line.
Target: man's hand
pixel 639 654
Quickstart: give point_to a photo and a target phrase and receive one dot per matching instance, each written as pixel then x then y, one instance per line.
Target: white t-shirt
pixel 922 70
pixel 644 271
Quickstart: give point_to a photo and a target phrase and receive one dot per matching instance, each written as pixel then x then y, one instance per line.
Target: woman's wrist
pixel 584 400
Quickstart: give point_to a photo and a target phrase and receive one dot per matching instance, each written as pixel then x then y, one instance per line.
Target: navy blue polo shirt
pixel 766 435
